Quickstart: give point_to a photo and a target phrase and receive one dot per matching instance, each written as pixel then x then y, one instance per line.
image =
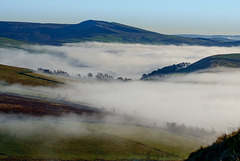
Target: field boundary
pixel 24 73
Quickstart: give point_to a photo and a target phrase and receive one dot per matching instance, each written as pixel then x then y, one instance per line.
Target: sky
pixel 163 16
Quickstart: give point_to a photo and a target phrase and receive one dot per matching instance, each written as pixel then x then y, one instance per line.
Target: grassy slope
pixel 95 143
pixel 104 138
pixel 222 60
pixel 89 145
pixel 13 75
pixel 177 145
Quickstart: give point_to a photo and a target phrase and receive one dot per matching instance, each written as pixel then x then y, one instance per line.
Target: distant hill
pixel 222 60
pixel 226 148
pixel 56 34
pixel 227 38
pixel 11 43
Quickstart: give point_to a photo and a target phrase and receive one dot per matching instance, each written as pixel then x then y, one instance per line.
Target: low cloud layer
pixel 127 60
pixel 209 100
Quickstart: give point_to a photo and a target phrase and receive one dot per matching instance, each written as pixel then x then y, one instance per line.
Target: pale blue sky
pixel 164 16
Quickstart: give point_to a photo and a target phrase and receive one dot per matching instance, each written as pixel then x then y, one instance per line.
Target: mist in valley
pixel 126 60
pixel 208 100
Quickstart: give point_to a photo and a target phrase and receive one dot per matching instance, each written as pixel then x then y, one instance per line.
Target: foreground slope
pixel 74 140
pixel 33 133
pixel 226 148
pixel 91 30
pixel 211 62
pixel 86 144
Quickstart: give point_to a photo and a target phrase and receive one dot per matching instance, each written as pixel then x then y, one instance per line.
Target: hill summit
pixel 92 30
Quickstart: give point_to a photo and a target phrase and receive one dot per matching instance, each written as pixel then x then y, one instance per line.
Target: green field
pixel 74 140
pixel 177 145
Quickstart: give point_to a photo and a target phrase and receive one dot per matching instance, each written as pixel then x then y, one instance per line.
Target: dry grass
pixel 14 75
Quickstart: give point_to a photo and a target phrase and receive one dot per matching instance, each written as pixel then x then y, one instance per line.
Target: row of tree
pixel 104 77
pixel 190 130
pixel 56 72
pixel 99 76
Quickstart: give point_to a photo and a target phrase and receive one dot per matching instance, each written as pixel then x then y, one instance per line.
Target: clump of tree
pixel 47 71
pixel 156 74
pixel 123 79
pixel 55 72
pixel 194 131
pixel 99 76
pixel 90 75
pixel 104 77
pixel 61 72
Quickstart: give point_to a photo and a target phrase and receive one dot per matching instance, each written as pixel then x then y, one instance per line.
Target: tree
pixel 100 76
pixel 90 75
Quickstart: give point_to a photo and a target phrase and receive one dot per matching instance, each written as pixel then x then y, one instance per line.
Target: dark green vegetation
pixel 164 71
pixel 56 34
pixel 226 148
pixel 12 75
pixel 222 60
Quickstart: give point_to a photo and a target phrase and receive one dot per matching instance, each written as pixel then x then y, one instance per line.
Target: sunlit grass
pixel 13 75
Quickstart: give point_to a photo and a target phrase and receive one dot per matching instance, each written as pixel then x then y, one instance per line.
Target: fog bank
pixel 209 100
pixel 127 60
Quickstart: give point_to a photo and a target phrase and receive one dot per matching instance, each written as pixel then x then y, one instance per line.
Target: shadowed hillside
pixel 226 148
pixel 56 34
pixel 222 60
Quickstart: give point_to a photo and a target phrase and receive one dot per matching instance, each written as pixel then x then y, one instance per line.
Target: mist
pixel 208 100
pixel 126 60
pixel 26 126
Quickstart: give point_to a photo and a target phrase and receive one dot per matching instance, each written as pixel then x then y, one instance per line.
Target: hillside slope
pixel 13 75
pixel 221 60
pixel 226 148
pixel 56 34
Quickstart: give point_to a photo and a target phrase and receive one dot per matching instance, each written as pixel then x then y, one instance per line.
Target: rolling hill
pixel 91 30
pixel 221 60
pixel 28 108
